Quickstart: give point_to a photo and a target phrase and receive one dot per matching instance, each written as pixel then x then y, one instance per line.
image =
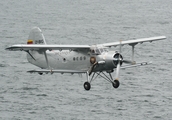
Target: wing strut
pixel 30 54
pixel 133 53
pixel 46 58
pixel 133 45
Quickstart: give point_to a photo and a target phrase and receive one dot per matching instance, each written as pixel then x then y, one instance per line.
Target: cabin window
pixel 64 59
pixel 76 58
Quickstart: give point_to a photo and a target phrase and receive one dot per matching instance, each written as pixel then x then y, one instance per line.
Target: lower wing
pixel 136 64
pixel 55 71
pixel 41 71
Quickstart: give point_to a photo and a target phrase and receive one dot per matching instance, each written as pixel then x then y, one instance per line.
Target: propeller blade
pixel 117 71
pixel 118 65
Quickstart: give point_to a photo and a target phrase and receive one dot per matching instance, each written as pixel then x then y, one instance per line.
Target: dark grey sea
pixel 145 92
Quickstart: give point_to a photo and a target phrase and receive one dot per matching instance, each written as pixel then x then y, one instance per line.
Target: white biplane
pixel 93 60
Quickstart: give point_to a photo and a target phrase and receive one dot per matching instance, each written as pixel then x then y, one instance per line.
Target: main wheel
pixel 116 84
pixel 87 86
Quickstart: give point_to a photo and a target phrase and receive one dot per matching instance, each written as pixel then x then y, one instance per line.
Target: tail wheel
pixel 87 86
pixel 40 73
pixel 116 84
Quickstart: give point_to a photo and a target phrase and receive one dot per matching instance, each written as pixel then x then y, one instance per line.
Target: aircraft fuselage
pixel 71 60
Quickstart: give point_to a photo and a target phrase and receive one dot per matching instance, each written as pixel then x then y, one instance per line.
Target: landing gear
pixel 116 84
pixel 87 86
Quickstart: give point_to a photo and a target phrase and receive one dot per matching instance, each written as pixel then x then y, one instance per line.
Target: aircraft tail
pixel 36 36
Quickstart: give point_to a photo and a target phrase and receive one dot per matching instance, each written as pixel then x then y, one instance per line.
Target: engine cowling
pixel 110 60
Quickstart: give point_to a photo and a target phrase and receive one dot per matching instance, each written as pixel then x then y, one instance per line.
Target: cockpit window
pixel 92 51
pixel 97 51
pixel 101 50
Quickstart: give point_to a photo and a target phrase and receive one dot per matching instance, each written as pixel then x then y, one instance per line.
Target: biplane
pixel 92 60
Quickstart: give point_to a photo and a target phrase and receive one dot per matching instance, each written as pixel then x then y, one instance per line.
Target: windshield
pixel 97 50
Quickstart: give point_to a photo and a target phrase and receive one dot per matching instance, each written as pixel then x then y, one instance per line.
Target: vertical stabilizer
pixel 36 36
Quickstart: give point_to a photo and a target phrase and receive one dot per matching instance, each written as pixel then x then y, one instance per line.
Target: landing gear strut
pixel 87 85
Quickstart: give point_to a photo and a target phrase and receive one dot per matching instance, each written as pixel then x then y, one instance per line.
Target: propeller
pixel 119 62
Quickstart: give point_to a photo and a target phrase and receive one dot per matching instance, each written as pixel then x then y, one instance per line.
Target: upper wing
pixel 27 47
pixel 133 42
pixel 37 47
